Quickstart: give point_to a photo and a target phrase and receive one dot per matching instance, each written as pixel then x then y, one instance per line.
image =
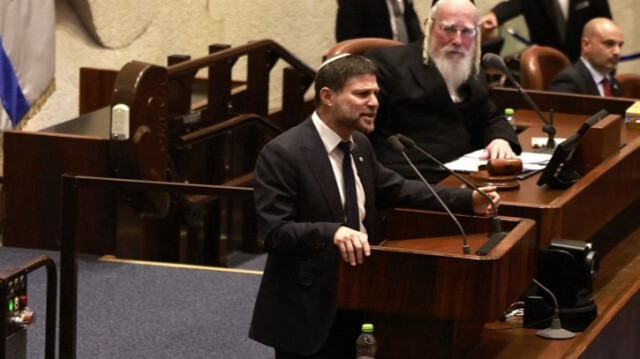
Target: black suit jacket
pixel 577 79
pixel 540 18
pixel 370 18
pixel 414 101
pixel 299 210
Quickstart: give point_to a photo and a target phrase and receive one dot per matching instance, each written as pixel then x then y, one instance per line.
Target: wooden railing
pixel 180 132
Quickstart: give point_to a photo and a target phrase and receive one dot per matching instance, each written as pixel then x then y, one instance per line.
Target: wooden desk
pixel 603 208
pixel 33 165
pixel 587 206
pixel 614 333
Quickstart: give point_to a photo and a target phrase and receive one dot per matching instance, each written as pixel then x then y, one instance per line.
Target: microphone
pixel 399 147
pixel 496 62
pixel 555 330
pixel 497 235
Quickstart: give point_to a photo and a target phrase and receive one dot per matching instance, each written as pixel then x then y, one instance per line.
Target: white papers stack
pixel 531 162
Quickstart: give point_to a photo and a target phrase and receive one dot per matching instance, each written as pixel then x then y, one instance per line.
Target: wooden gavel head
pixel 504 166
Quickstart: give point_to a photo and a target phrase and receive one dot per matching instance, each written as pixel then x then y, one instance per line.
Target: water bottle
pixel 508 113
pixel 366 345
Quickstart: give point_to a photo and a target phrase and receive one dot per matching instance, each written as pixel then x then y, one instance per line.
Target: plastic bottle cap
pixel 367 327
pixel 508 111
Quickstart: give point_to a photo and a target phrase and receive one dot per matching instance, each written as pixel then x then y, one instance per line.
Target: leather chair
pixel 630 84
pixel 539 65
pixel 360 46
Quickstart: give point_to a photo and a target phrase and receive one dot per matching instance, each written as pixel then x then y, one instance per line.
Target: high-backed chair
pixel 539 65
pixel 360 45
pixel 630 84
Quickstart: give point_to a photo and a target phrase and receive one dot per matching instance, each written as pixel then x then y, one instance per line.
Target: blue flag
pixel 27 57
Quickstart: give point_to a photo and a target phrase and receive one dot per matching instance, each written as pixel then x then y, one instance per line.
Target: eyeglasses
pixel 452 30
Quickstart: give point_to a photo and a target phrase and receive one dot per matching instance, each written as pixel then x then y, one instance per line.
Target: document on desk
pixel 531 162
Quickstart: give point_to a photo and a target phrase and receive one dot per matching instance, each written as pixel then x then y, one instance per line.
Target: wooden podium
pixel 427 299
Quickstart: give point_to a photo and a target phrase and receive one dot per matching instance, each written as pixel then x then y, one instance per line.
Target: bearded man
pixel 434 91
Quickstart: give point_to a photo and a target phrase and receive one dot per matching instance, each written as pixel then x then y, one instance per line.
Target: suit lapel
pixel 316 156
pixel 616 89
pixel 549 8
pixel 591 85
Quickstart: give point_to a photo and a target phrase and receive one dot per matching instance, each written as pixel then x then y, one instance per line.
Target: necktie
pixel 606 87
pixel 561 22
pixel 350 196
pixel 398 17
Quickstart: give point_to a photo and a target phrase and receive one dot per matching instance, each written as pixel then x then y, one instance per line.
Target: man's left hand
pixel 480 203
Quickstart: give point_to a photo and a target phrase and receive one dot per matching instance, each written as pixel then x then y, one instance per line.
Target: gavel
pixel 503 166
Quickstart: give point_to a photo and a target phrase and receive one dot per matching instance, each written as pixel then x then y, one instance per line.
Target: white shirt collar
pixel 595 74
pixel 329 138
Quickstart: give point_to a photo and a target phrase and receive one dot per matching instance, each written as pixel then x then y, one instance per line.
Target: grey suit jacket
pixel 299 210
pixel 577 79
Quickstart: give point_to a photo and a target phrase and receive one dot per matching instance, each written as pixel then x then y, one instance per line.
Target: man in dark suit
pixel 434 91
pixel 302 205
pixel 593 73
pixel 389 19
pixel 548 23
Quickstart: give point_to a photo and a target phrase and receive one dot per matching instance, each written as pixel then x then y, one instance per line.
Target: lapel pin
pixel 360 159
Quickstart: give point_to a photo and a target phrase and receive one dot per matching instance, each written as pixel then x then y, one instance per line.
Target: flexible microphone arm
pixel 497 235
pixel 497 63
pixel 411 144
pixel 555 330
pixel 398 146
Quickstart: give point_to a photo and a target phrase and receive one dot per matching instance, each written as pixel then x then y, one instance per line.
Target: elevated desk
pixel 581 210
pixel 613 334
pixel 603 207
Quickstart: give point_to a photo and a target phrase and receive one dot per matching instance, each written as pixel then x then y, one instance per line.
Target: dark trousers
pixel 341 342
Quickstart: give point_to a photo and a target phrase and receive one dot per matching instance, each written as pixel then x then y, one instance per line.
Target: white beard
pixel 455 73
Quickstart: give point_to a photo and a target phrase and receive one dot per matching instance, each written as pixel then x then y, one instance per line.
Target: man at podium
pixel 317 187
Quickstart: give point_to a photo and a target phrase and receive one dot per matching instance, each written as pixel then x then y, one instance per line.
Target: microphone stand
pixel 494 237
pixel 555 330
pixel 548 127
pixel 496 62
pixel 400 148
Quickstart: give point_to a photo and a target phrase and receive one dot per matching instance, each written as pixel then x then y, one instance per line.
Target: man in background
pixel 554 23
pixel 593 73
pixel 317 188
pixel 434 91
pixel 389 19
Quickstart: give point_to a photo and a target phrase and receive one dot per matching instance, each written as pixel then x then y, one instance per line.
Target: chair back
pixel 630 84
pixel 360 45
pixel 539 65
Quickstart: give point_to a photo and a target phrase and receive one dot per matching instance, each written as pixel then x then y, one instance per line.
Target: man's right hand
pixel 488 22
pixel 353 245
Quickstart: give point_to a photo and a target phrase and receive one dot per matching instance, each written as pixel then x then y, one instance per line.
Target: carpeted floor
pixel 146 311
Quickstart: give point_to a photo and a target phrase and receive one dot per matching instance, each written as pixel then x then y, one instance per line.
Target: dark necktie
pixel 398 17
pixel 350 196
pixel 606 86
pixel 561 22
